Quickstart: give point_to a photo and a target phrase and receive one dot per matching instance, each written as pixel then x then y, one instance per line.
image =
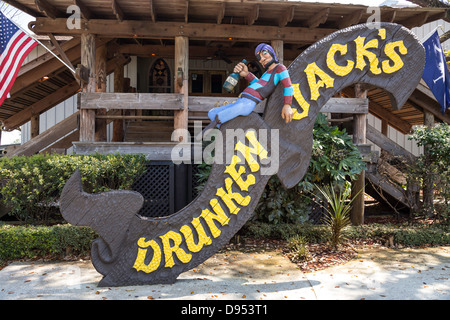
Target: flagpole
pixel 70 68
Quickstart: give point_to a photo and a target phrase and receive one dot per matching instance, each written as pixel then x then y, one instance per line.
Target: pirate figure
pixel 258 89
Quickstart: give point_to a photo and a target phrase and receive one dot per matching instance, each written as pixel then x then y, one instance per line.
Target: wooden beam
pixel 350 19
pixel 117 11
pixel 186 11
pixel 118 125
pixel 85 12
pixel 318 19
pixel 169 30
pixel 392 119
pixel 277 45
pixel 416 21
pixel 383 113
pixel 221 13
pixel 42 59
pixel 100 65
pixel 388 16
pixel 131 101
pixel 152 11
pixel 379 139
pixel 182 69
pixel 286 17
pixel 61 52
pixel 34 126
pixel 359 138
pixel 253 15
pixel 46 138
pixel 46 8
pixel 87 117
pixel 334 105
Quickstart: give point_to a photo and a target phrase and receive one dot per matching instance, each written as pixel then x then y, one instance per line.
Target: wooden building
pixel 182 51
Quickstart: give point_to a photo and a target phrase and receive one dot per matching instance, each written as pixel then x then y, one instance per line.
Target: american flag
pixel 15 45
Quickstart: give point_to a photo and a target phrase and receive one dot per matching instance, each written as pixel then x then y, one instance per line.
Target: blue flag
pixel 436 73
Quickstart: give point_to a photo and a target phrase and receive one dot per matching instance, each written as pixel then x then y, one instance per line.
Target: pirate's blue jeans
pixel 242 107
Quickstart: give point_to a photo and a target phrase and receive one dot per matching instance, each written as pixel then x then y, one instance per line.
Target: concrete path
pixel 376 274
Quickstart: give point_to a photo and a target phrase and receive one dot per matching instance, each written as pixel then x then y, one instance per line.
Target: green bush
pixel 402 235
pixel 31 186
pixel 25 242
pixel 298 248
pixel 432 168
pixel 379 233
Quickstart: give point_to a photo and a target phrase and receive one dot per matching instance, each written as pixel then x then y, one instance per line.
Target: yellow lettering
pixel 139 264
pixel 389 50
pixel 236 175
pixel 313 70
pixel 331 62
pixel 301 101
pixel 361 52
pixel 228 197
pixel 169 249
pixel 220 216
pixel 257 149
pixel 202 237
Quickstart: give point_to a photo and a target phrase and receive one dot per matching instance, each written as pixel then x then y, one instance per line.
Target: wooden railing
pixel 175 101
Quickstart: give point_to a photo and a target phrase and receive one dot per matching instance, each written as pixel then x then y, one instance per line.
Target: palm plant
pixel 338 217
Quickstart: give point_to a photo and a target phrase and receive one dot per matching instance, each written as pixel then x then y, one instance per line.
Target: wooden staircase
pixel 386 179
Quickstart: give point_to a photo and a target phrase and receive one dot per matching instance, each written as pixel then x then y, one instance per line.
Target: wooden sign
pixel 135 250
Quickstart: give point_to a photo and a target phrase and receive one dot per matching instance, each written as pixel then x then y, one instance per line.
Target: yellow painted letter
pixel 220 216
pixel 228 197
pixel 313 70
pixel 257 149
pixel 139 264
pixel 301 101
pixel 389 50
pixel 331 62
pixel 361 52
pixel 202 237
pixel 237 175
pixel 169 250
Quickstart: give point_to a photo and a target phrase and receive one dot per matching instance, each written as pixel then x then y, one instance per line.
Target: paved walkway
pixel 376 274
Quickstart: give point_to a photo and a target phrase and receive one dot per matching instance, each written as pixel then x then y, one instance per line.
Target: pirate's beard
pixel 268 64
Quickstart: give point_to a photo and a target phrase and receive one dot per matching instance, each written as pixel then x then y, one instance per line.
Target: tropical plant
pixel 338 209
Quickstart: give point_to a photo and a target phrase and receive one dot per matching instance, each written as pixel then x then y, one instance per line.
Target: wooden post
pixel 100 63
pixel 428 181
pixel 118 125
pixel 277 45
pixel 87 117
pixel 34 126
pixel 359 137
pixel 181 86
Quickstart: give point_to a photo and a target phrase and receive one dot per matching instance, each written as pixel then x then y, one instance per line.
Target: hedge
pixel 407 235
pixel 31 186
pixel 25 242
